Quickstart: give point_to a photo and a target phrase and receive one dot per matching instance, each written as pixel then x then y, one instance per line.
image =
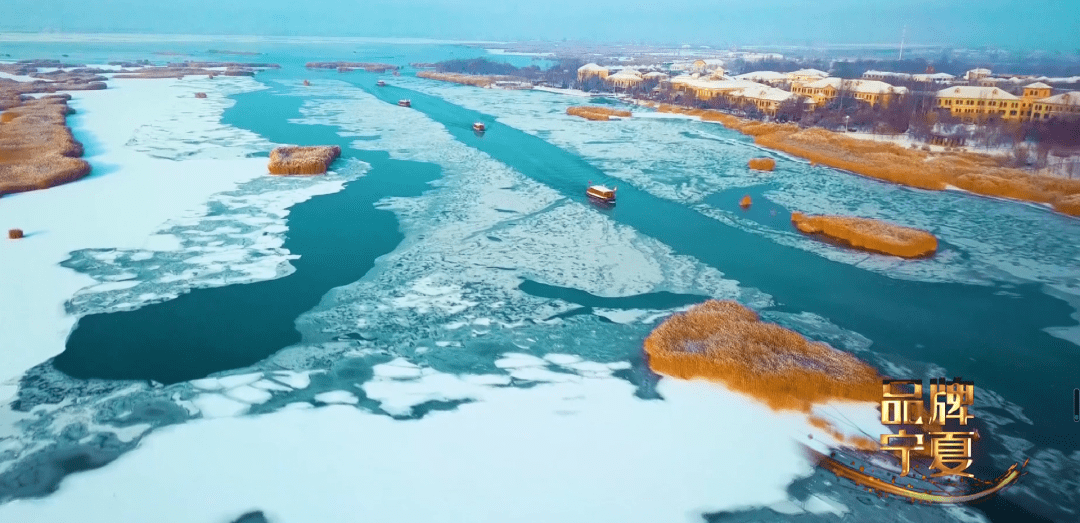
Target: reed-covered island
pixel 592 112
pixel 37 149
pixel 296 160
pixel 726 342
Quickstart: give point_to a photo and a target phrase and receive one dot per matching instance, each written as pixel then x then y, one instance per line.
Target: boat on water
pixel 479 127
pixel 380 83
pixel 404 103
pixel 601 194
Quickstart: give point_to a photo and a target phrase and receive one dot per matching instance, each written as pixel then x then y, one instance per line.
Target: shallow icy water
pixel 507 283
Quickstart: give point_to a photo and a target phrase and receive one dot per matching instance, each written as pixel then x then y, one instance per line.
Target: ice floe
pixel 145 191
pixel 983 239
pixel 591 444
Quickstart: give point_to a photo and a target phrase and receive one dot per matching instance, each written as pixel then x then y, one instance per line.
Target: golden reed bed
pixel 976 173
pixel 37 149
pixel 762 164
pixel 592 112
pixel 293 159
pixel 869 235
pixel 476 80
pixel 726 342
pixel 371 67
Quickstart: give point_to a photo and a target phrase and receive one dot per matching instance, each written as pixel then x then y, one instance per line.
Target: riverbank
pixel 138 134
pixel 869 235
pixel 889 162
pixel 592 112
pixel 37 149
pixel 478 80
pixel 726 342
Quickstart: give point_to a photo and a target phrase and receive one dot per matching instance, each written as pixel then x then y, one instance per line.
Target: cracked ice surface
pixel 568 438
pixel 470 242
pixel 237 238
pixel 136 133
pixel 982 239
pixel 184 127
pixel 438 322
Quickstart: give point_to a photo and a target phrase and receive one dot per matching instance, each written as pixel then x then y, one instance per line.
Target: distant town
pixel 1033 118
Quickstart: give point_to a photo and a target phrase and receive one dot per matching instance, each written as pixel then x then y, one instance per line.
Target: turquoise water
pixel 991 334
pixel 976 332
pixel 338 237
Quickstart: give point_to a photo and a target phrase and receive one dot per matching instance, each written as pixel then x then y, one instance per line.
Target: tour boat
pixel 380 83
pixel 404 103
pixel 601 194
pixel 479 127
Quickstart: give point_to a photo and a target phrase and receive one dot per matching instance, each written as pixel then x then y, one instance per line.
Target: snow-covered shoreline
pixel 158 154
pixel 574 446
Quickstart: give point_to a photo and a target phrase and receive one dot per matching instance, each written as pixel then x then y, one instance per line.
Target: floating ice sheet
pixel 568 441
pixel 983 239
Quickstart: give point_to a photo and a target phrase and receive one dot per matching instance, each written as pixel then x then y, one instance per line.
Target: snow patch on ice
pixel 578 435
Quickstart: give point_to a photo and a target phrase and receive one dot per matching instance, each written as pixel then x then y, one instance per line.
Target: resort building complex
pixel 976 97
pixel 973 104
pixel 873 92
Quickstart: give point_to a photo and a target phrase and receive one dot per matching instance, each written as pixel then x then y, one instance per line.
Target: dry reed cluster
pixel 746 202
pixel 303 160
pixel 869 235
pixel 37 149
pixel 200 95
pixel 14 234
pixel 182 69
pixel 370 67
pixel 976 173
pixel 726 342
pixel 592 112
pixel 11 91
pixel 762 164
pixel 475 80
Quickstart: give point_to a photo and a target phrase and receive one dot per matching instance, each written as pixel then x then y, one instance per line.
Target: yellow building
pixel 767 99
pixel 803 76
pixel 625 78
pixel 872 92
pixel 1064 104
pixel 973 104
pixel 1032 94
pixel 772 78
pixel 706 89
pixel 708 65
pixel 591 70
pixel 975 75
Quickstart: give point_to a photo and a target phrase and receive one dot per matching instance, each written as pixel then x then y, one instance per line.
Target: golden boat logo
pixel 940 434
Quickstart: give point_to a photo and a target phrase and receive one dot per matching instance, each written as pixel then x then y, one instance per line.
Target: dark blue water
pixel 338 237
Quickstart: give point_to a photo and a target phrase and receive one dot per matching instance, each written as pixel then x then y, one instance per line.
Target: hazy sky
pixel 1033 24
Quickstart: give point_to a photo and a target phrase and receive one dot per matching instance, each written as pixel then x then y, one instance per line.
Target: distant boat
pixel 479 127
pixel 601 194
pixel 404 103
pixel 380 83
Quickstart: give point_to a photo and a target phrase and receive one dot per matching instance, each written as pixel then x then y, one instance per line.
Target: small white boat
pixel 404 103
pixel 479 127
pixel 380 83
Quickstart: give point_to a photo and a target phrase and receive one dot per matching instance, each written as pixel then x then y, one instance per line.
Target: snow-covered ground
pixel 432 388
pixel 159 155
pixel 571 448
